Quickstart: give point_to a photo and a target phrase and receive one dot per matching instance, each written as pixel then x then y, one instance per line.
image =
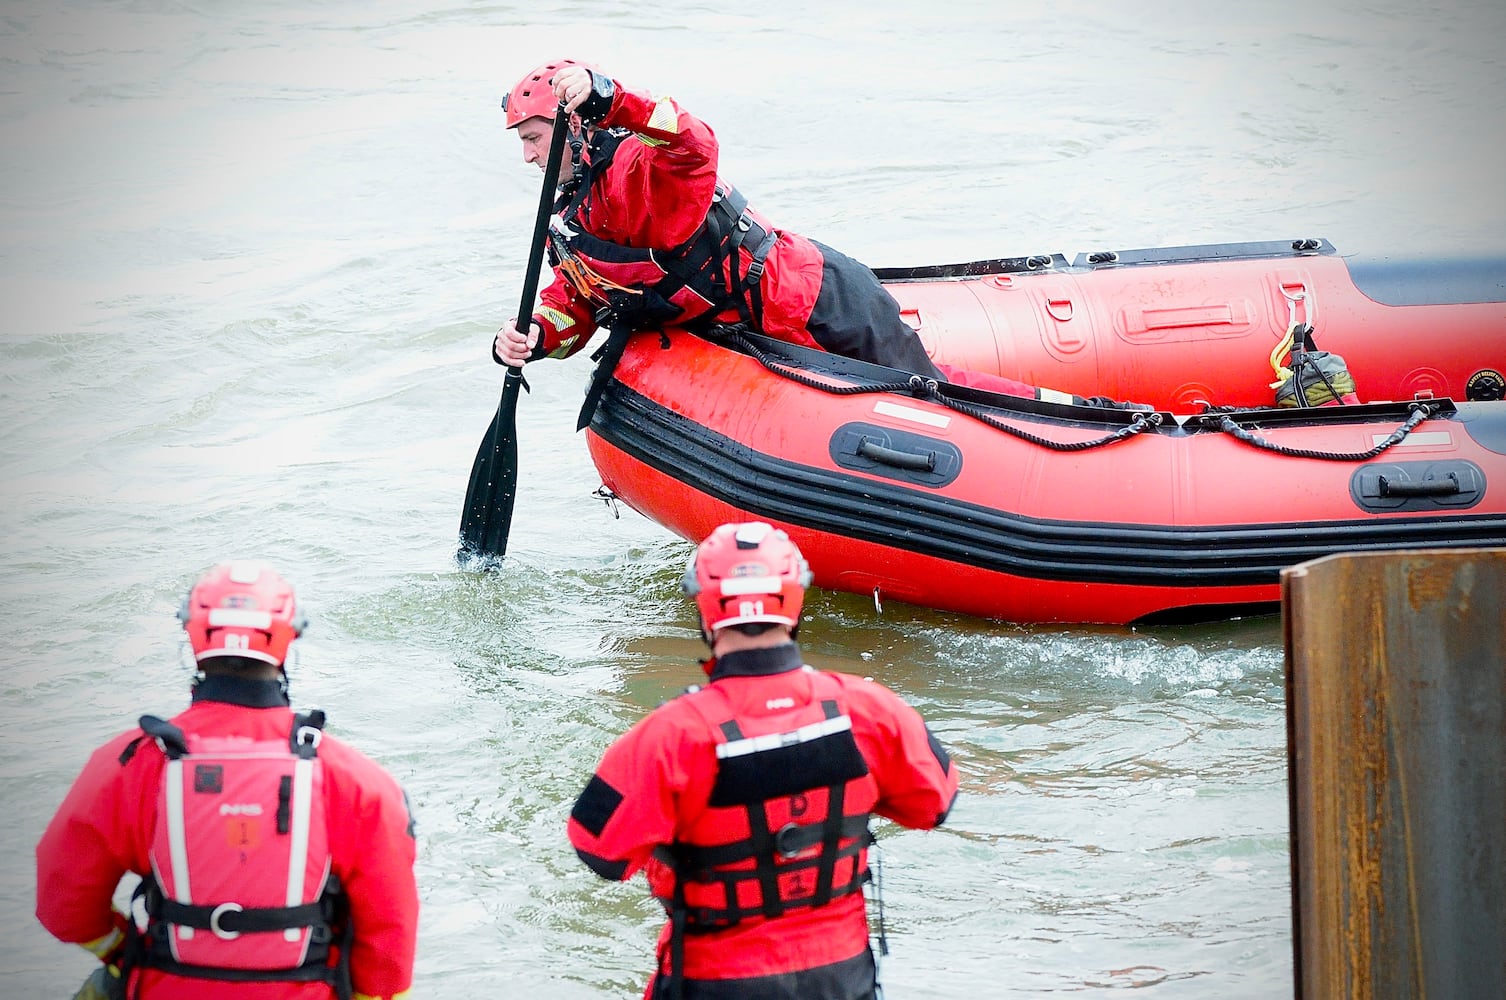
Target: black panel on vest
pixel 757 777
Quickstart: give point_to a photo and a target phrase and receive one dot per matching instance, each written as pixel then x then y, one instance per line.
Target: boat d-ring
pixel 214 921
pixel 1299 299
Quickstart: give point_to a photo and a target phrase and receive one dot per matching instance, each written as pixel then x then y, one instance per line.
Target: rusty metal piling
pixel 1396 727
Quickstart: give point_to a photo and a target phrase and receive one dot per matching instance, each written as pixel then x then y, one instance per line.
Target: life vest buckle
pixel 214 921
pixel 793 838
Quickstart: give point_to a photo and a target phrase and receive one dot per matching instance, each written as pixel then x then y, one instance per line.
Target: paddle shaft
pixel 487 518
pixel 541 225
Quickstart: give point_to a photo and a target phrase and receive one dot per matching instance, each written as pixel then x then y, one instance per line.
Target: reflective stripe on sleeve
pixel 102 946
pixel 665 116
pixel 560 320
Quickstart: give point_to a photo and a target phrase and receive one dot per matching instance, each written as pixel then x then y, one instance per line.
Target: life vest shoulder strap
pixel 168 736
pixel 308 730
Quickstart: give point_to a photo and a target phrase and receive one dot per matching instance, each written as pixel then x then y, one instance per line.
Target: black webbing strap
pixel 301 974
pixel 715 253
pixel 150 950
pixel 606 358
pixel 743 288
pixel 130 750
pixel 677 920
pixel 238 921
pixel 831 827
pixel 831 836
pixel 344 987
pixel 751 282
pixel 705 920
pixel 284 803
pixel 761 845
pixel 789 841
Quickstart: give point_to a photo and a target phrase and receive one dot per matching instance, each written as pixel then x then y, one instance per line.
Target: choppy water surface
pixel 252 259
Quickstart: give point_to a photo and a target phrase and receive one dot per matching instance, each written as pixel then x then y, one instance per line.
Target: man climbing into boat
pixel 746 801
pixel 646 234
pixel 301 849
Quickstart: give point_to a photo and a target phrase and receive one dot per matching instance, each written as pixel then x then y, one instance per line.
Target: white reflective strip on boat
pixel 177 841
pixel 298 853
pixel 911 414
pixel 734 586
pixel 234 617
pixel 1418 438
pixel 756 744
pixel 1053 396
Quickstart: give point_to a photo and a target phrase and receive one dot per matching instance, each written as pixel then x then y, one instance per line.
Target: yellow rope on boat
pixel 1282 348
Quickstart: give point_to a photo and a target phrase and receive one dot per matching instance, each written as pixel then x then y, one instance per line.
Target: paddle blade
pixel 487 517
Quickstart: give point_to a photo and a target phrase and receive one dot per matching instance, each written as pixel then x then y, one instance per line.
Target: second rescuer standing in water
pixel 746 802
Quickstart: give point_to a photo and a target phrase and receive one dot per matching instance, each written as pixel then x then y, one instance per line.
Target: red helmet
pixel 241 609
pixel 533 97
pixel 747 573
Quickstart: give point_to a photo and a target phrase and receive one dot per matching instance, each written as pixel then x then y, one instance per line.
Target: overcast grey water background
pixel 251 262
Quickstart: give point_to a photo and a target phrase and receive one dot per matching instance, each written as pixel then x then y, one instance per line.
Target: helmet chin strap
pixel 577 140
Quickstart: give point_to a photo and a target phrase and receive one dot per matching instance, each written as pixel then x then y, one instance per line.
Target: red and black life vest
pixel 643 287
pixel 242 887
pixel 786 824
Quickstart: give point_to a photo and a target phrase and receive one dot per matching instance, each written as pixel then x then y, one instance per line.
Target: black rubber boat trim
pixel 931 524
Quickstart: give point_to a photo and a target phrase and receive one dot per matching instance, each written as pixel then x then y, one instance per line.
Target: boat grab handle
pixel 1420 488
pixel 898 459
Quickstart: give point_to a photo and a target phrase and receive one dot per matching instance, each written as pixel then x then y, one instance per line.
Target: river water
pixel 252 259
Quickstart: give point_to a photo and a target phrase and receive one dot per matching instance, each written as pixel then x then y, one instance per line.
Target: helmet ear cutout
pixel 690 584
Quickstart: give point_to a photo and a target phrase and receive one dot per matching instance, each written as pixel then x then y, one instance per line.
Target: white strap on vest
pixel 303 783
pixel 177 841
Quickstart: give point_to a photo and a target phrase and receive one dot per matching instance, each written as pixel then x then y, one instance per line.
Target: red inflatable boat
pixel 1026 511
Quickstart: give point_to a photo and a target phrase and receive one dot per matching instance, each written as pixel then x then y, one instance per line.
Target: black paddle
pixel 487 517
